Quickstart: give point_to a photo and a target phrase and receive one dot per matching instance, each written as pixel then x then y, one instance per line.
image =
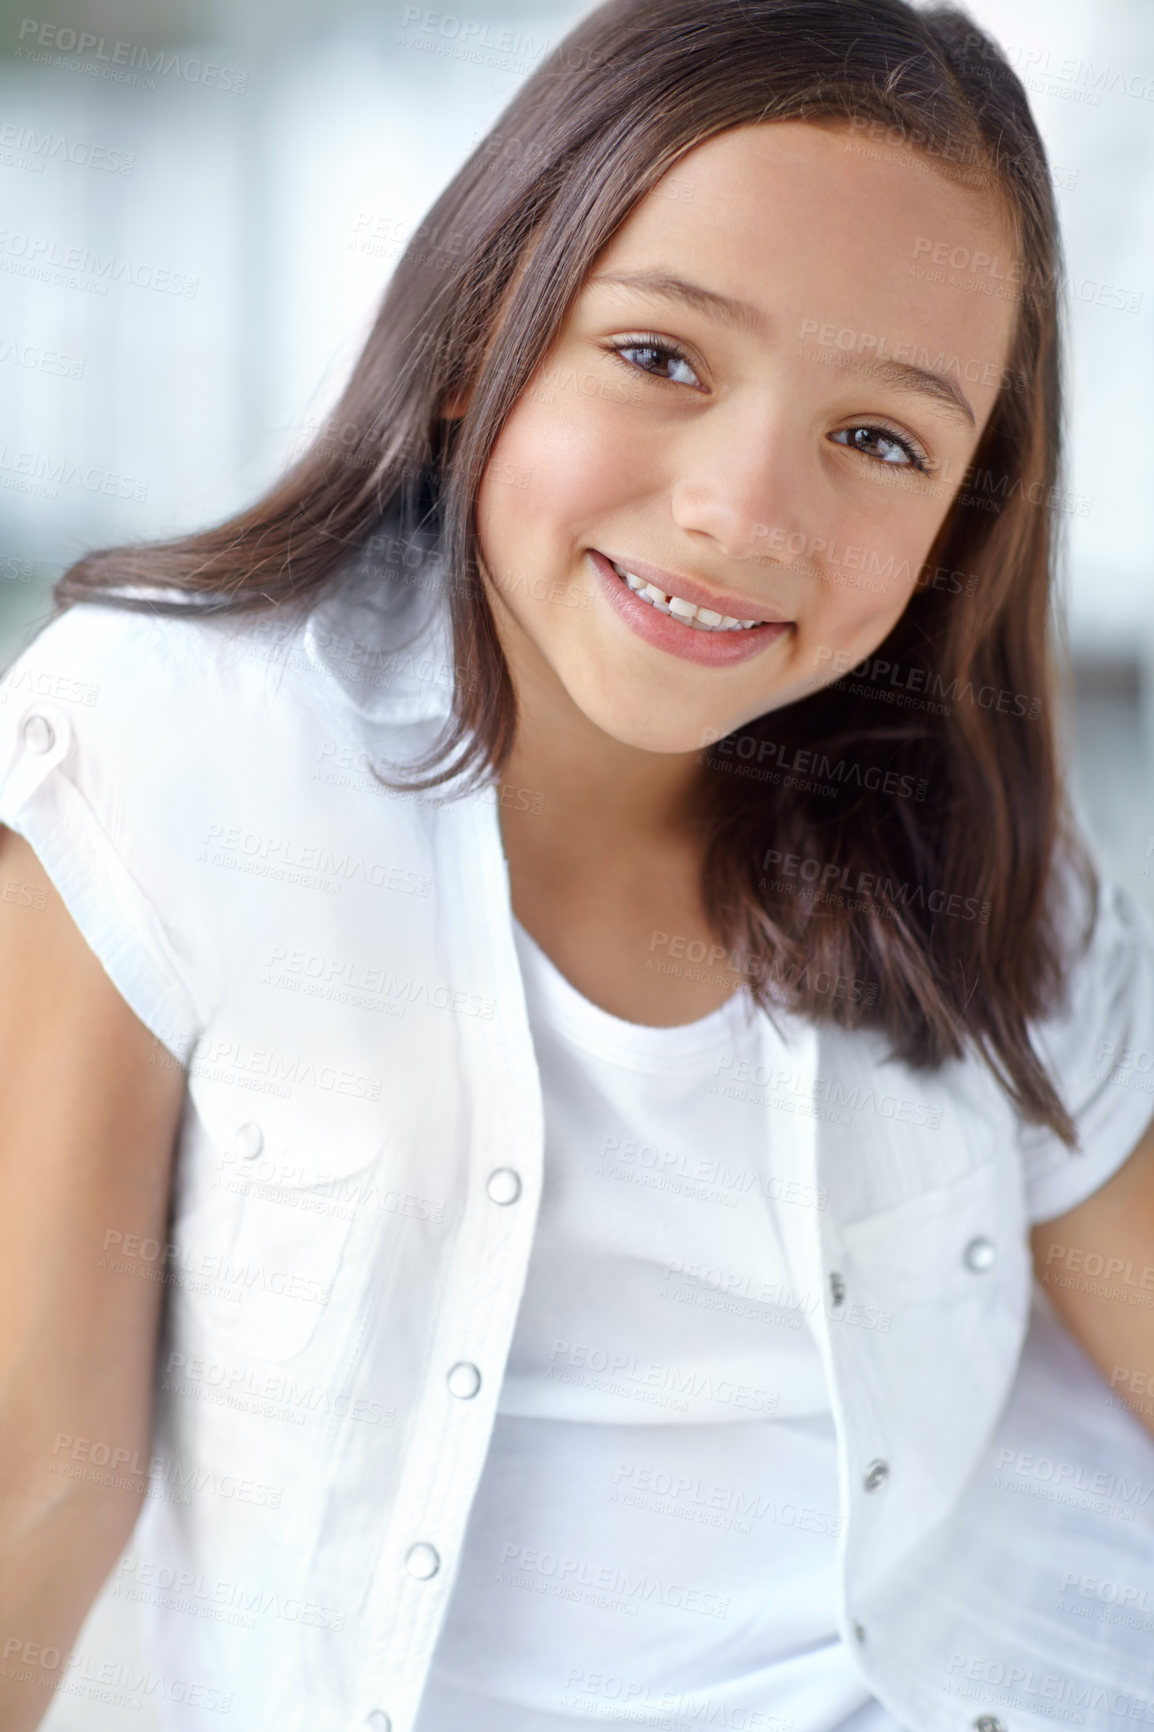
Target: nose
pixel 739 480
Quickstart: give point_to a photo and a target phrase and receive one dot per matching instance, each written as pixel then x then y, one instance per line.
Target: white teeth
pixel 700 618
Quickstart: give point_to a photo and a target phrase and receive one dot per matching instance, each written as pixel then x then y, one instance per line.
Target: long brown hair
pixel 943 913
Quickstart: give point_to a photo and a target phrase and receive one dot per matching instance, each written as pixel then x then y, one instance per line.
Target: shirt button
pixel 859 1632
pixel 464 1379
pixel 875 1473
pixel 39 734
pixel 836 1288
pixel 989 1723
pixel 979 1255
pixel 422 1561
pixel 249 1141
pixel 504 1185
pixel 378 1721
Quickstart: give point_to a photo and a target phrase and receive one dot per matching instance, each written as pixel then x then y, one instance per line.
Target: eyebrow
pixel 741 315
pixel 744 316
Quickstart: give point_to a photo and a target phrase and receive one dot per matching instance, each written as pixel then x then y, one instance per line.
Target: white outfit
pixel 656 1525
pixel 359 1175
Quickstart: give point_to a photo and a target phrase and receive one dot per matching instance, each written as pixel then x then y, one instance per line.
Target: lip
pixel 734 606
pixel 719 649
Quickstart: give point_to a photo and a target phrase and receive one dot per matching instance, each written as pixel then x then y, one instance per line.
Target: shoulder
pixel 357 657
pixel 1098 1048
pixel 1108 988
pixel 186 780
pixel 92 658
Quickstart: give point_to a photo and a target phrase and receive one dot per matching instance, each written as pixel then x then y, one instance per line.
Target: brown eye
pixel 656 355
pixel 881 444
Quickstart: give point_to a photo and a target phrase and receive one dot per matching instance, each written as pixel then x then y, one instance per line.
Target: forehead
pixel 813 221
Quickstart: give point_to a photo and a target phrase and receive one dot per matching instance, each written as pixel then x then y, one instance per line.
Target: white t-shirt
pixel 655 1531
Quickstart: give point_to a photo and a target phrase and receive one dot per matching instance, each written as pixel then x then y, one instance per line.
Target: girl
pixel 578 879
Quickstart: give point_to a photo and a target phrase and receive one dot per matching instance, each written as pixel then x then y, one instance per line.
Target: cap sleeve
pixel 87 752
pixel 1100 1056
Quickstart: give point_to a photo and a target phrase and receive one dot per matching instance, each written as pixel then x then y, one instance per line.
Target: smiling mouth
pixel 685 612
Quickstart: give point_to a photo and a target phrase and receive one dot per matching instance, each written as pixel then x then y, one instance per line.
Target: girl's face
pixel 761 403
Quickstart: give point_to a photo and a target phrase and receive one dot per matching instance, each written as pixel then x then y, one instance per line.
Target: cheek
pixel 855 610
pixel 557 464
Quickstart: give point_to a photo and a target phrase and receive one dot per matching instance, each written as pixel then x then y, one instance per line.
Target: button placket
pixel 37 732
pixel 422 1560
pixel 876 1473
pixel 249 1140
pixel 980 1254
pixel 43 734
pixel 463 1379
pixel 504 1185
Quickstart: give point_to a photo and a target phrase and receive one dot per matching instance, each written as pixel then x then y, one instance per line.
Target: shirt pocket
pixel 952 1244
pixel 287 1183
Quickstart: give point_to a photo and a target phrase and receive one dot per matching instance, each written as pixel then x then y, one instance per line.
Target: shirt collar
pixel 386 642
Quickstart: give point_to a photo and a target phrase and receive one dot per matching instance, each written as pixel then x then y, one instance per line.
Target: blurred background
pixel 202 200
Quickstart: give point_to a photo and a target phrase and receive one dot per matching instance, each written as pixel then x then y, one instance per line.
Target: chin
pixel 672 734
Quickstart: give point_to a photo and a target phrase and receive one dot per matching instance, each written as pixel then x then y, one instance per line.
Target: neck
pixel 619 794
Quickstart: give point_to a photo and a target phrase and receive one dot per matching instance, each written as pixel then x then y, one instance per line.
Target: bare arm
pixel 1096 1263
pixel 88 1119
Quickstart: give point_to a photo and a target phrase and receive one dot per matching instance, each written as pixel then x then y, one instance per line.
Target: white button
pixel 378 1721
pixel 249 1141
pixel 422 1561
pixel 504 1185
pixel 979 1255
pixel 875 1473
pixel 39 734
pixel 464 1379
